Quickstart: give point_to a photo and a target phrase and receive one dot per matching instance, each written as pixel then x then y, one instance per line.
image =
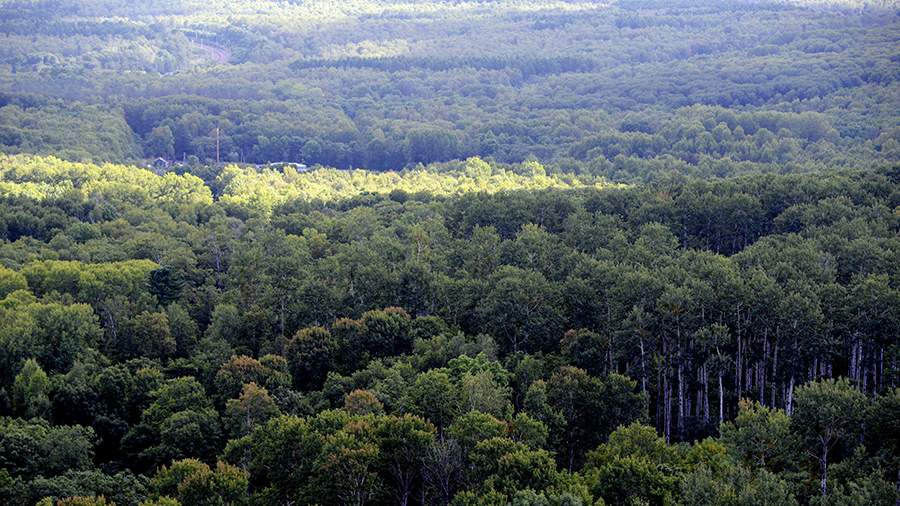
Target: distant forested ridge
pixel 281 337
pixel 710 88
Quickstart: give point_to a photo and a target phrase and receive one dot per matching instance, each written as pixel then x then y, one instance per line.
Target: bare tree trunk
pixel 667 418
pixel 609 360
pixel 763 364
pixel 721 400
pixel 660 400
pixel 705 395
pixel 698 403
pixel 823 466
pixel 865 379
pixel 643 368
pixel 666 398
pixel 748 379
pixel 738 369
pixel 790 397
pixel 680 399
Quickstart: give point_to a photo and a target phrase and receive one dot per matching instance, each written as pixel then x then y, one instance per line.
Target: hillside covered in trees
pixel 606 88
pixel 487 252
pixel 557 341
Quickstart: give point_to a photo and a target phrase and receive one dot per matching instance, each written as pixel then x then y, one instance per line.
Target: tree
pixel 179 422
pixel 473 427
pixel 635 465
pixel 84 501
pixel 883 427
pixel 528 430
pixel 522 310
pixel 713 340
pixel 60 332
pixel 30 391
pixel 165 284
pixel 387 332
pixel 403 444
pixel 161 142
pixel 507 466
pixel 10 281
pixel 29 448
pixel 430 145
pixel 827 413
pixel 434 397
pixel 759 437
pixel 311 354
pixel 162 501
pixel 590 409
pixel 735 486
pixel 270 372
pixel 193 432
pixel 150 336
pixel 253 408
pixel 587 350
pixel 348 465
pixel 480 256
pixel 362 402
pixel 481 392
pixel 190 481
pixel 183 329
pixel 282 458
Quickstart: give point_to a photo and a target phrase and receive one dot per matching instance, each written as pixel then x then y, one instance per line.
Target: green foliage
pixel 165 285
pixel 10 281
pixel 507 466
pixel 32 448
pixel 827 413
pixel 30 390
pixel 522 310
pixel 84 501
pixel 589 408
pixel 760 437
pixel 737 486
pixel 179 422
pixel 90 282
pixel 482 317
pixel 633 91
pixel 150 336
pixel 54 333
pixel 311 354
pixel 270 372
pixel 254 407
pixel 362 402
pixel 190 481
pixel 634 465
pixel 280 457
pixel 434 398
pixel 473 427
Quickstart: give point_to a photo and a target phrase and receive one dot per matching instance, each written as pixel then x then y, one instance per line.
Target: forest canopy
pixel 444 341
pixel 451 253
pixel 608 89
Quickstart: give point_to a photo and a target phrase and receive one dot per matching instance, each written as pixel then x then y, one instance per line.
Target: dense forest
pixel 485 252
pixel 551 341
pixel 706 87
